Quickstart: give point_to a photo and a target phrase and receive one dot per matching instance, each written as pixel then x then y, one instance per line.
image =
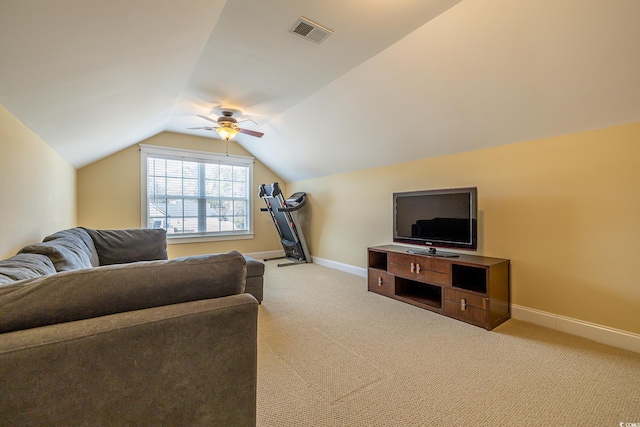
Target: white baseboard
pixel 260 256
pixel 602 334
pixel 358 271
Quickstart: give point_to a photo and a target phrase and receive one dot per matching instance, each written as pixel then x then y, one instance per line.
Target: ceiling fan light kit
pixel 227 132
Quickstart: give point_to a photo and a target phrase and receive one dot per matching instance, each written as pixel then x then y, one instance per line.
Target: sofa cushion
pixel 132 245
pixel 83 237
pixel 66 253
pixel 99 291
pixel 25 266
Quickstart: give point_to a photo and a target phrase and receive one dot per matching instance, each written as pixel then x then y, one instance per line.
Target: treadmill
pixel 284 214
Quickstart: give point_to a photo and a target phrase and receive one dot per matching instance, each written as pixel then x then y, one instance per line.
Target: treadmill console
pixel 296 198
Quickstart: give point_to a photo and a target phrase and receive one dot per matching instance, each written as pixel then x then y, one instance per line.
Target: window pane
pixel 211 208
pixel 174 186
pixel 174 225
pixel 240 223
pixel 157 167
pixel 226 208
pixel 239 173
pixel 212 171
pixel 213 188
pixel 190 225
pixel 190 208
pixel 189 196
pixel 240 207
pixel 190 170
pixel 157 213
pixel 174 208
pixel 174 168
pixel 226 173
pixel 156 186
pixel 191 187
pixel 239 189
pixel 226 224
pixel 213 224
pixel 226 189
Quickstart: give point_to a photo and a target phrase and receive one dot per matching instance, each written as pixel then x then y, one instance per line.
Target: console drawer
pixel 428 270
pixel 471 300
pixel 435 264
pixel 400 265
pixel 470 314
pixel 433 277
pixel 402 259
pixel 381 282
pixel 465 306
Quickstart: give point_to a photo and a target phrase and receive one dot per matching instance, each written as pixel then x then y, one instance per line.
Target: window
pixel 196 195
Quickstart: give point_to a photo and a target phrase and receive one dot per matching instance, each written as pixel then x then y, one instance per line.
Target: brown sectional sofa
pixel 97 328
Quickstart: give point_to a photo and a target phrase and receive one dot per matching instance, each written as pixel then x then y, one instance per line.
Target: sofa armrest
pixel 185 364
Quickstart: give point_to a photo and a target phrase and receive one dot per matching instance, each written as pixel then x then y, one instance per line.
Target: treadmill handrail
pixel 294 208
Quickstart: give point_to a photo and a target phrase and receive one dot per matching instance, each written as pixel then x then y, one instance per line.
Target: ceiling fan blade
pixel 204 127
pixel 251 132
pixel 247 120
pixel 207 118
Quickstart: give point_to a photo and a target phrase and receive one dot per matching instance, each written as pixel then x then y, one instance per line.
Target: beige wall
pixel 109 195
pixel 565 211
pixel 38 194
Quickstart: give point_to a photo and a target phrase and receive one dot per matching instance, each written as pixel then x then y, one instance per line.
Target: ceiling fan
pixel 227 126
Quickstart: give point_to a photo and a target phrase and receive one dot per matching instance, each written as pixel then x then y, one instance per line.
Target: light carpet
pixel 332 354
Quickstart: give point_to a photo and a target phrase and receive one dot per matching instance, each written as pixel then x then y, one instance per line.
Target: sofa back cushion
pixel 84 294
pixel 25 266
pixel 66 253
pixel 132 245
pixel 82 239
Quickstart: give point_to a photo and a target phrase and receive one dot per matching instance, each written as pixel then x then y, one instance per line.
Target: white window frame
pixel 197 156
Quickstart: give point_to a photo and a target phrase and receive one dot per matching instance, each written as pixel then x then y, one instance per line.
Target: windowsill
pixel 177 240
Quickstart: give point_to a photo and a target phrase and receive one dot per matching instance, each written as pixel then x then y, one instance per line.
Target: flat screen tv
pixel 444 218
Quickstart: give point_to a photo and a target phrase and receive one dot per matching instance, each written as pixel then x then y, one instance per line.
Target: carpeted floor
pixel 332 354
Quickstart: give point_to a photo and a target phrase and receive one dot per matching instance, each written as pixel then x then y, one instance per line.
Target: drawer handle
pixel 413 267
pixel 417 268
pixel 379 281
pixel 463 304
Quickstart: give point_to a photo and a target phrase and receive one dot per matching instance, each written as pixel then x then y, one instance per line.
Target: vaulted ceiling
pixel 397 80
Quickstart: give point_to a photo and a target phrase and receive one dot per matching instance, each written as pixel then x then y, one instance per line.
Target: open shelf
pixel 469 278
pixel 422 293
pixel 378 260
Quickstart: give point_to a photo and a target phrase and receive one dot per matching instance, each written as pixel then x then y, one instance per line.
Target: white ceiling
pixel 398 79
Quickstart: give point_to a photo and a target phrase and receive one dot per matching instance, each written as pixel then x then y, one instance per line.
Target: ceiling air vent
pixel 310 31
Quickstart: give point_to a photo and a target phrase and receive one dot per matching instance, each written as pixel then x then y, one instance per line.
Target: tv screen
pixel 436 218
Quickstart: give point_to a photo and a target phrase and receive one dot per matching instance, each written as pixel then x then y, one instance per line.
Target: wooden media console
pixel 473 289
